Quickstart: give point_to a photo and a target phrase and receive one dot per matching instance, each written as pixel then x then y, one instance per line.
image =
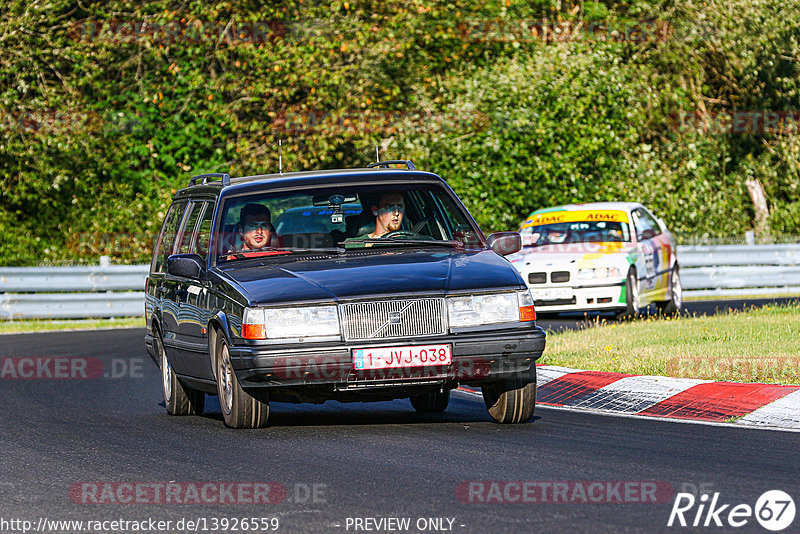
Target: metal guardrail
pixel 72 292
pixel 737 270
pixel 58 279
pixel 117 291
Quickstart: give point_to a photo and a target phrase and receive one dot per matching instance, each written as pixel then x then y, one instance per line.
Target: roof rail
pixel 226 180
pixel 385 164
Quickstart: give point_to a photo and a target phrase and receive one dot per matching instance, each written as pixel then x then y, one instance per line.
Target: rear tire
pixel 179 399
pixel 674 305
pixel 430 402
pixel 512 400
pixel 239 410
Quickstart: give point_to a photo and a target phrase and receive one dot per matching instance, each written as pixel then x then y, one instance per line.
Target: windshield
pixel 575 232
pixel 337 219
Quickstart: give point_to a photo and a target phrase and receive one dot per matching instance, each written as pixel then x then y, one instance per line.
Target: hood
pixel 362 274
pixel 581 254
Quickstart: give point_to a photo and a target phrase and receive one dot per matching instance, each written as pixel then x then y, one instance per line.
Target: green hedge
pixel 101 127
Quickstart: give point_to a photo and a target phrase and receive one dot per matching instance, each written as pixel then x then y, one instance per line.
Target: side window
pixel 167 238
pixel 204 231
pixel 188 229
pixel 646 225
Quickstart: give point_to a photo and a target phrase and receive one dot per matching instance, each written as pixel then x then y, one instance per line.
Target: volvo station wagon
pixel 351 285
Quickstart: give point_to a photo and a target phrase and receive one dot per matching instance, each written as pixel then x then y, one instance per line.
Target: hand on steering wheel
pixel 399 234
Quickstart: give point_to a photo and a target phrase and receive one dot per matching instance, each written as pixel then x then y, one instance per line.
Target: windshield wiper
pixel 335 250
pixel 274 251
pixel 433 242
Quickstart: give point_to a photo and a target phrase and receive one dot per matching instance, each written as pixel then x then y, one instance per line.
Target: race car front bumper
pixel 607 297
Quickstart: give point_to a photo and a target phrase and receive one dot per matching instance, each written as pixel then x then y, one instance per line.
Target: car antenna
pixel 280 157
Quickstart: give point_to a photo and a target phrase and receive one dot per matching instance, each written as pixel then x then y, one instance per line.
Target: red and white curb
pixel 754 405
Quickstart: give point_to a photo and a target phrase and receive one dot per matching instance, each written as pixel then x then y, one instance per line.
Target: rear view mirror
pixel 505 243
pixel 185 265
pixel 333 200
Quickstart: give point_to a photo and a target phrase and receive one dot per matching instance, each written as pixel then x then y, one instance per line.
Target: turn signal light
pixel 527 313
pixel 253 325
pixel 254 331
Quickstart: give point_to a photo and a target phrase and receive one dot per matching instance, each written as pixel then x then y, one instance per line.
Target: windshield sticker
pixel 538 219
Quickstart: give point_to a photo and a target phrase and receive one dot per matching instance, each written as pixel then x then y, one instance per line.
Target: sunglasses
pixel 392 208
pixel 251 227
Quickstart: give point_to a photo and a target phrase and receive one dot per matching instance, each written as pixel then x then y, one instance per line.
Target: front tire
pixel 431 402
pixel 179 399
pixel 631 295
pixel 239 410
pixel 512 400
pixel 675 303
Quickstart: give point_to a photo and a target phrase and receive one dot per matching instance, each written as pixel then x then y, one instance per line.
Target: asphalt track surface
pixel 373 460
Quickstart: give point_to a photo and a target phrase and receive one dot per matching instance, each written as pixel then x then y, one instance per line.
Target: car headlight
pixel 479 310
pixel 599 272
pixel 298 322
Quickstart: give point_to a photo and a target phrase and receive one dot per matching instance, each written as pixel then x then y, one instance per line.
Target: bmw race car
pixel 603 256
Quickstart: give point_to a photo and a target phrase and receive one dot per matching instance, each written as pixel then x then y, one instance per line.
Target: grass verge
pixel 755 345
pixel 43 325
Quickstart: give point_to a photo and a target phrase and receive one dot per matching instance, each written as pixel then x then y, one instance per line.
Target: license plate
pixel 393 357
pixel 553 293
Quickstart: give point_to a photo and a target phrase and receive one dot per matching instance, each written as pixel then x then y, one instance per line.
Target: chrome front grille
pixel 393 318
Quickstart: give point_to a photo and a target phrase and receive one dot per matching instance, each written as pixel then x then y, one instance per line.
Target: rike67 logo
pixel 774 510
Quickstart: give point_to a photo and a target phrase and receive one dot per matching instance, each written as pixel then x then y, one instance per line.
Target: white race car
pixel 603 256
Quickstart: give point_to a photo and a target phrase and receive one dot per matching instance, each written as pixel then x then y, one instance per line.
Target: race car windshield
pixel 575 232
pixel 337 219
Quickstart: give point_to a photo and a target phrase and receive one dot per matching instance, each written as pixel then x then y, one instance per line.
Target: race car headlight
pixel 479 310
pixel 600 272
pixel 299 322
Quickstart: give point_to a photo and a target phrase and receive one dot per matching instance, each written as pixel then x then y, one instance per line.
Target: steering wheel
pixel 399 234
pixel 402 234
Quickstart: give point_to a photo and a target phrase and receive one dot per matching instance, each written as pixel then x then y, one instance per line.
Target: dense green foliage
pixel 103 118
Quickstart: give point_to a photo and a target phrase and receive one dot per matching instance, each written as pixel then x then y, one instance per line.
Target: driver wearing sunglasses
pixel 388 214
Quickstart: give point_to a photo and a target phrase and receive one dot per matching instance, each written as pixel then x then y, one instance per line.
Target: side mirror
pixel 185 265
pixel 647 234
pixel 505 243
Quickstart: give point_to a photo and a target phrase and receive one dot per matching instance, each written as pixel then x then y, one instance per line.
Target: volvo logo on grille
pixel 394 317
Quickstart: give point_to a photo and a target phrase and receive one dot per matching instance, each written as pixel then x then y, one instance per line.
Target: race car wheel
pixel 511 400
pixel 431 402
pixel 674 304
pixel 631 295
pixel 179 399
pixel 239 410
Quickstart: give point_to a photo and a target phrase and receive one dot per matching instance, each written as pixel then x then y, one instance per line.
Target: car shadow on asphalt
pixel 332 413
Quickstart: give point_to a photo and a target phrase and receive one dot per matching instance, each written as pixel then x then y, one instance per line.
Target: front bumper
pixel 476 358
pixel 586 298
